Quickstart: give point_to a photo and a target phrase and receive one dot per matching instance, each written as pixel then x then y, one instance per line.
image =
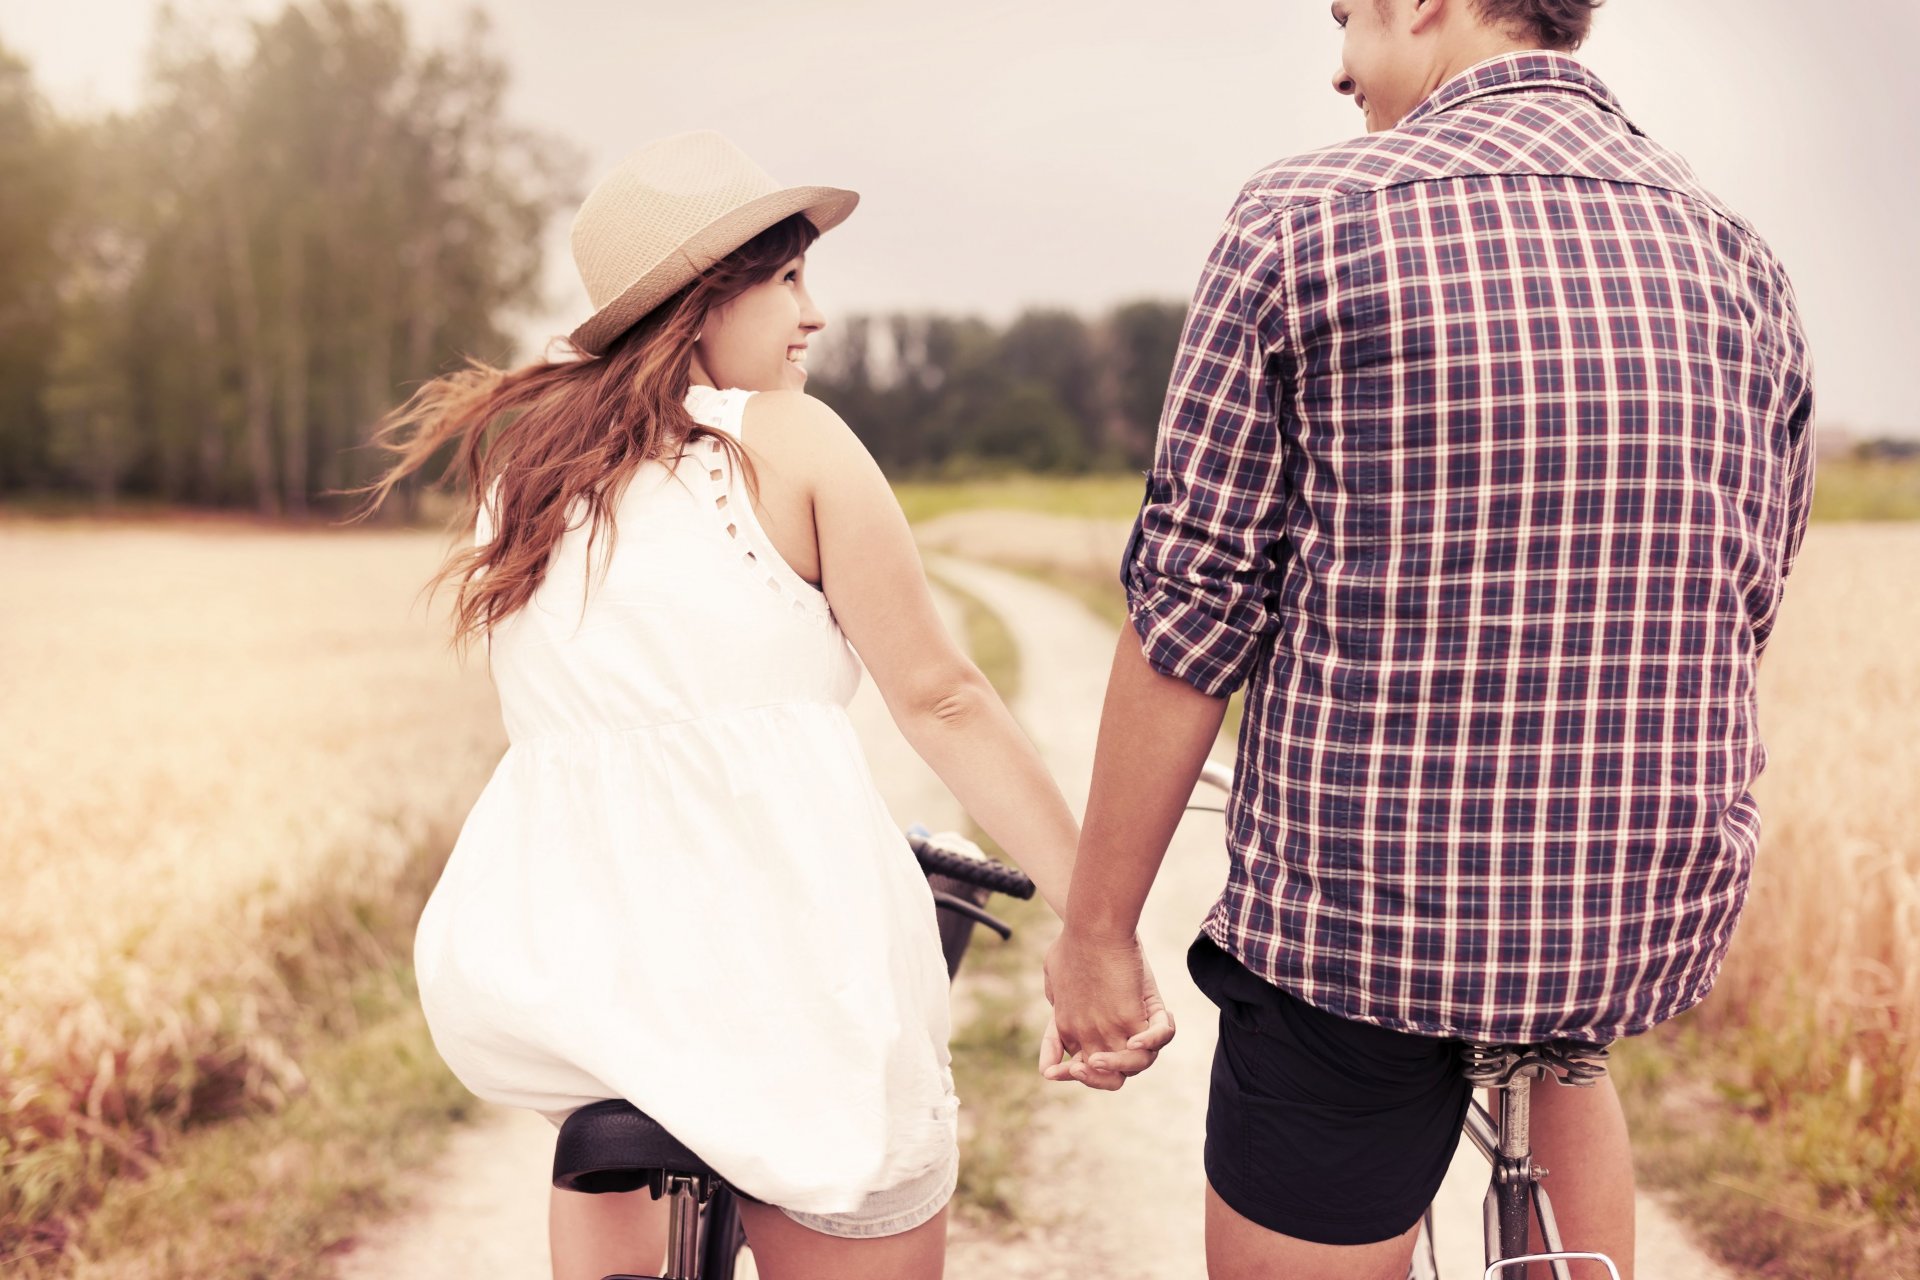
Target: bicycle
pixel 1515 1196
pixel 613 1146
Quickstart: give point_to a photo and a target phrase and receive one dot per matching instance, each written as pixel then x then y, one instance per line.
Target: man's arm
pixel 1198 578
pixel 1155 734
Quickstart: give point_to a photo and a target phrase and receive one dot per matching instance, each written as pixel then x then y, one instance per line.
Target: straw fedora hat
pixel 667 213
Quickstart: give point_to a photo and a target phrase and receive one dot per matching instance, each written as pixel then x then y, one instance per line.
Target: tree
pixel 1142 340
pixel 295 226
pixel 1049 392
pixel 35 179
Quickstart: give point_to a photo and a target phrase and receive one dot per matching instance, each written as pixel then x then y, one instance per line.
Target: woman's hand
pixel 1109 1021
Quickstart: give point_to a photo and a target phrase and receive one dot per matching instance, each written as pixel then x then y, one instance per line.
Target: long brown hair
pixel 556 432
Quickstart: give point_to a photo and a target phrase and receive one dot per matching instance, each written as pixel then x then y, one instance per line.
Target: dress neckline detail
pixel 722 411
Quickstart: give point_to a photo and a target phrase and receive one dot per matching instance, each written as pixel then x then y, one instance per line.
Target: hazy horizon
pixel 1079 155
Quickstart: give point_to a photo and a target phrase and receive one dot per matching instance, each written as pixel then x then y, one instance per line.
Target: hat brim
pixel 825 207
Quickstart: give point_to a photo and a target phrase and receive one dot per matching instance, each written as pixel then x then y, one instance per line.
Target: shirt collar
pixel 1531 71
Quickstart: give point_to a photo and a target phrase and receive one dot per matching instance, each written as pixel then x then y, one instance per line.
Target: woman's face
pixel 758 341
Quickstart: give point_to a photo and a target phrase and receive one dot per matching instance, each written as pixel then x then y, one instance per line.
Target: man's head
pixel 1397 52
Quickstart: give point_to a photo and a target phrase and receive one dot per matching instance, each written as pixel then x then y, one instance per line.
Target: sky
pixel 1079 153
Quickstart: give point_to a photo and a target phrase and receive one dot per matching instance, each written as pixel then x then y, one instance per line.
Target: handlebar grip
pixel 969 865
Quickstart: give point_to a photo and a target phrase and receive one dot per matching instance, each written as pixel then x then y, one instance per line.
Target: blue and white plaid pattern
pixel 1485 457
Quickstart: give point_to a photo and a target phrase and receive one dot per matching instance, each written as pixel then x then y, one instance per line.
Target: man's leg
pixel 1238 1249
pixel 1326 1138
pixel 1580 1135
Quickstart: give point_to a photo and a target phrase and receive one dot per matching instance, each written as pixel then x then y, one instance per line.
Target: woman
pixel 680 886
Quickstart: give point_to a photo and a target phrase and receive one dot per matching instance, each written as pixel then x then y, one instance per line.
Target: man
pixel 1485 457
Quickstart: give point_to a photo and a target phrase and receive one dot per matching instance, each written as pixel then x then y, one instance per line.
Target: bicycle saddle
pixel 1494 1066
pixel 615 1146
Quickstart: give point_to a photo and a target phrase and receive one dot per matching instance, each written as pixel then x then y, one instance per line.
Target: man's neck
pixel 1470 50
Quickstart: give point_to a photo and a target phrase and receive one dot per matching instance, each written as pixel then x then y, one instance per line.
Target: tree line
pixel 210 299
pixel 1049 391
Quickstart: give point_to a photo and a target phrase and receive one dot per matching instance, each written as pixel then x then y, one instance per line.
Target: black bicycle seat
pixel 614 1146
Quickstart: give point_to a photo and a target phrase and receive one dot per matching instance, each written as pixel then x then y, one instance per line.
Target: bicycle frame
pixel 1516 1195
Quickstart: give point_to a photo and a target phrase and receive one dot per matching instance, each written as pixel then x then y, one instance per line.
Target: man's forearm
pixel 1155 734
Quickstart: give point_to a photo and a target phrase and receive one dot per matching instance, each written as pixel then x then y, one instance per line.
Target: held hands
pixel 1109 1021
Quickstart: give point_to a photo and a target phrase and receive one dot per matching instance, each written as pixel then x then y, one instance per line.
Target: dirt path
pixel 1116 1178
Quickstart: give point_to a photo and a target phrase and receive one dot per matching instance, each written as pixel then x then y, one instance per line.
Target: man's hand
pixel 1155 734
pixel 1109 1021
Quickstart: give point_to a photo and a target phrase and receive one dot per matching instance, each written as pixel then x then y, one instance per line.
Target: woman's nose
pixel 1342 82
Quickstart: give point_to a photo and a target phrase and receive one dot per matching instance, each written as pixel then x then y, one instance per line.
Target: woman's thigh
pixel 601 1235
pixel 785 1250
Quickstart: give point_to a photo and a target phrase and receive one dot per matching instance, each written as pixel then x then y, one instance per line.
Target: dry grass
pixel 1838 886
pixel 1786 1108
pixel 234 759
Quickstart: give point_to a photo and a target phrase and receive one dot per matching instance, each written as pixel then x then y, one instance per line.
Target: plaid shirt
pixel 1485 457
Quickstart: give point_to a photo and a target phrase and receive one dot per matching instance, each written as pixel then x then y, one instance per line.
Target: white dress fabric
pixel 680 886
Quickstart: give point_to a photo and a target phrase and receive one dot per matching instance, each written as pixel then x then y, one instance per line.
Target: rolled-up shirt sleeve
pixel 1198 564
pixel 1800 469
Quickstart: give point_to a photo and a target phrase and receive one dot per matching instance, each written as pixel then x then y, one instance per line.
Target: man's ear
pixel 1428 12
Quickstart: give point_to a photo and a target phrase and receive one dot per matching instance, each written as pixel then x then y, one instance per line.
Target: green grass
pixel 1107 497
pixel 1852 489
pixel 71 506
pixel 1844 489
pixel 994 1055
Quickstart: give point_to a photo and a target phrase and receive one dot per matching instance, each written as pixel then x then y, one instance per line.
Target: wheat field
pixel 194 716
pixel 228 749
pixel 1824 974
pixel 224 749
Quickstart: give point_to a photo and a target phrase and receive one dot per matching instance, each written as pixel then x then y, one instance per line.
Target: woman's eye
pixel 791 276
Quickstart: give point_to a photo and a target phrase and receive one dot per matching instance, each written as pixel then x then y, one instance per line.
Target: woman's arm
pixel 872 576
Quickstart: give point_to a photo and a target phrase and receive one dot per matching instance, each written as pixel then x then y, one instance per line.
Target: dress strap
pixel 733 505
pixel 720 410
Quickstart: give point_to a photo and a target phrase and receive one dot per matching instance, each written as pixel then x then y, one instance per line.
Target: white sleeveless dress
pixel 680 886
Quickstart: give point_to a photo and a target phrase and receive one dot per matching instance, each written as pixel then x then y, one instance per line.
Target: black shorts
pixel 1318 1127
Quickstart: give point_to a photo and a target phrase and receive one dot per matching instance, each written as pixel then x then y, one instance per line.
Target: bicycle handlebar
pixel 962 860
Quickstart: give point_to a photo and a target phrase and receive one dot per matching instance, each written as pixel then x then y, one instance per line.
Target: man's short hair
pixel 1552 24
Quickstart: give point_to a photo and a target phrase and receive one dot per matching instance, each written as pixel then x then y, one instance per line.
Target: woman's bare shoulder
pixel 795 410
pixel 792 425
